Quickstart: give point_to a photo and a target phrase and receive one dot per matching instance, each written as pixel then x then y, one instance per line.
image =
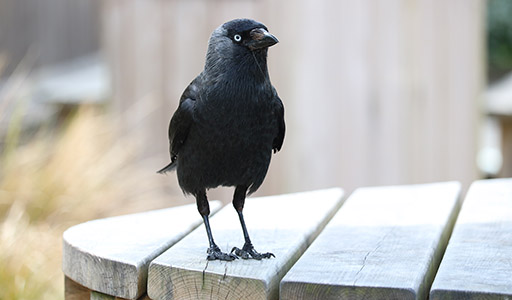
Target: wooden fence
pixel 48 31
pixel 376 92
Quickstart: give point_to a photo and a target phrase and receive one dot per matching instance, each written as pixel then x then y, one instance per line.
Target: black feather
pixel 230 118
pixel 170 167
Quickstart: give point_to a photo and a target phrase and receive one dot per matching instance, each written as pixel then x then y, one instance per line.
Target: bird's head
pixel 236 39
pixel 247 33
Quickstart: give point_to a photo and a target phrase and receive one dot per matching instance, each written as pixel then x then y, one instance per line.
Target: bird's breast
pixel 229 143
pixel 244 120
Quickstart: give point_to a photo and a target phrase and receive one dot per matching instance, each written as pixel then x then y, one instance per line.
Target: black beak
pixel 260 38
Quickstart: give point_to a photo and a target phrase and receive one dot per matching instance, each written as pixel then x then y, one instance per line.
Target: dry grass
pixel 56 180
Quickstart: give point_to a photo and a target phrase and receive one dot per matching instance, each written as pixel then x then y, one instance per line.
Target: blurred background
pixel 375 92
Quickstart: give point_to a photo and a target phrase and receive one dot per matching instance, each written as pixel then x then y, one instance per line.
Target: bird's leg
pixel 214 250
pixel 247 250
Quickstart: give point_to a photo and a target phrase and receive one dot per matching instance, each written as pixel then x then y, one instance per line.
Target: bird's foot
pixel 215 253
pixel 248 251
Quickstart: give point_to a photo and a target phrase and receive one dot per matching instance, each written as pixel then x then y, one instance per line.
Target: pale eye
pixel 237 38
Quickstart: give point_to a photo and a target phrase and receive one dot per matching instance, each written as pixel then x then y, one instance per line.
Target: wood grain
pixel 101 296
pixel 75 291
pixel 112 255
pixel 478 260
pixel 284 225
pixel 384 243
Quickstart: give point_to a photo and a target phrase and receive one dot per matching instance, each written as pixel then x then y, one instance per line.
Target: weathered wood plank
pixel 478 260
pixel 101 296
pixel 74 291
pixel 284 225
pixel 112 255
pixel 384 243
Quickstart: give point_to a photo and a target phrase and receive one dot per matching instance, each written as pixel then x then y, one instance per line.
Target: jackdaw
pixel 228 122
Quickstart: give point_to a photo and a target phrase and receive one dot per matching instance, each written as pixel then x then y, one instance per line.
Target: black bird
pixel 228 122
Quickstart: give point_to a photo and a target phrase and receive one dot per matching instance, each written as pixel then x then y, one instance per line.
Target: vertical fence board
pixel 375 93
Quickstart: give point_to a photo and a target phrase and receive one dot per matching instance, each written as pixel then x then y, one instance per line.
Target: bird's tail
pixel 171 166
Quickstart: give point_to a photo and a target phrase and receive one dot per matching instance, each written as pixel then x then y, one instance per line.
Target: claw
pixel 248 251
pixel 215 253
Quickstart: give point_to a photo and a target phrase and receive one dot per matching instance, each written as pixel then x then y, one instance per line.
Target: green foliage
pixel 499 37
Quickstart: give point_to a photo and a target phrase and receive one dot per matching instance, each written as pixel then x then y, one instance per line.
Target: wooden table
pixel 381 243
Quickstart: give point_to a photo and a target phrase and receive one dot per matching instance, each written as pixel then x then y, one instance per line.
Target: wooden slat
pixel 101 296
pixel 478 260
pixel 75 291
pixel 284 225
pixel 384 243
pixel 112 255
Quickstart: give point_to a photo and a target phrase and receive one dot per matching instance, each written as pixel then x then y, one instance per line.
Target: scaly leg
pixel 247 250
pixel 214 250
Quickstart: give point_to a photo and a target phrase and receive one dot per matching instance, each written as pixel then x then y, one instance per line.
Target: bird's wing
pixel 279 115
pixel 182 119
